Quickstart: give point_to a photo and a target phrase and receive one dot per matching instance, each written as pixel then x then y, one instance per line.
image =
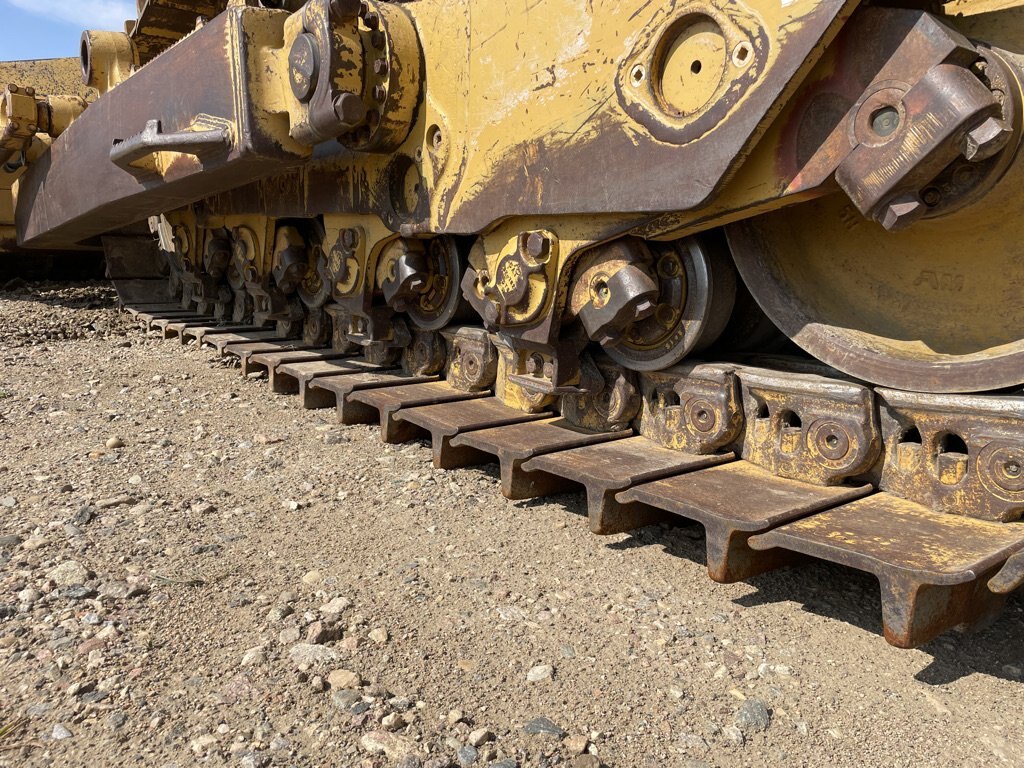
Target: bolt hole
pixel 832 441
pixel 762 409
pixel 742 54
pixel 435 137
pixel 696 67
pixel 1012 469
pixel 638 74
pixel 952 443
pixel 791 420
pixel 912 435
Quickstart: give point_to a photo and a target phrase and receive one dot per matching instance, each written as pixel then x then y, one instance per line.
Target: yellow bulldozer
pixel 753 263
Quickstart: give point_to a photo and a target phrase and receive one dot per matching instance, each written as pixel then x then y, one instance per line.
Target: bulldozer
pixel 751 263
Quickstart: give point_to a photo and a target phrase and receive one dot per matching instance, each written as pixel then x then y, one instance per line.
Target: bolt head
pixel 537 245
pixel 901 212
pixel 986 140
pixel 349 109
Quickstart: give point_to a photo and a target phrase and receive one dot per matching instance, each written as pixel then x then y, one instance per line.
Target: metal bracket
pixel 129 154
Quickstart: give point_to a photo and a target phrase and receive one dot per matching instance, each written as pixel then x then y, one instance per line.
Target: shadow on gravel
pixel 853 597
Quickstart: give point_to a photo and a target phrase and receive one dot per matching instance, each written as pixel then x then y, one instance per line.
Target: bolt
pixel 373 119
pixel 537 245
pixel 380 67
pixel 437 139
pixel 30 91
pixel 380 93
pixel 349 238
pixel 371 20
pixel 349 109
pixel 549 370
pixel 986 140
pixel 885 121
pixel 1012 469
pixel 378 39
pixel 932 196
pixel 901 211
pixel 534 363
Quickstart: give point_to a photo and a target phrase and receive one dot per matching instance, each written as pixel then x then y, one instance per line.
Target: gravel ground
pixel 194 570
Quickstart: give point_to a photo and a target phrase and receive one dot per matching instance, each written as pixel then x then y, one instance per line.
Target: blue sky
pixel 47 29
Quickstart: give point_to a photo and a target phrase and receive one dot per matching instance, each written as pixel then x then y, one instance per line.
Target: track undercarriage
pixel 755 265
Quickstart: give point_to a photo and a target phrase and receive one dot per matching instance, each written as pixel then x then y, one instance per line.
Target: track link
pixel 777 462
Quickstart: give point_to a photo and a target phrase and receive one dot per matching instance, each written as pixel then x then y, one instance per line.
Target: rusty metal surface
pixel 933 568
pixel 199 333
pixel 605 469
pixel 294 378
pixel 387 401
pixel 515 444
pixel 963 455
pixel 735 501
pixel 268 360
pixel 336 391
pixel 221 340
pixel 168 326
pixel 446 421
pixel 52 208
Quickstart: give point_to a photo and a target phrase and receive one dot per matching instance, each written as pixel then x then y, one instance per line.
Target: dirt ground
pixel 194 570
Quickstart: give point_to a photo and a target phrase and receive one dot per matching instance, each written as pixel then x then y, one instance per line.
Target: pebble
pixel 116 720
pixel 307 653
pixel 289 635
pixel 115 590
pixel 344 678
pixel 78 592
pixel 466 756
pixel 543 725
pixel 384 743
pixel 393 722
pixel 312 578
pixel 752 717
pixel 577 745
pixel 480 736
pixel 60 733
pixel 540 673
pixel 508 762
pixel 67 573
pixel 346 698
pixel 585 761
pixel 379 636
pixel 733 735
pixel 10 541
pixel 114 442
pixel 254 656
pixel 336 606
pixel 8 501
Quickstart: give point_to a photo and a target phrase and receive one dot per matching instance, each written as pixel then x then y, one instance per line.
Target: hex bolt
pixel 380 67
pixel 349 109
pixel 349 238
pixel 378 39
pixel 372 21
pixel 986 140
pixel 380 93
pixel 549 370
pixel 537 245
pixel 901 211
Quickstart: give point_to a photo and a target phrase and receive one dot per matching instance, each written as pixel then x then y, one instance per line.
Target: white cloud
pixel 88 14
